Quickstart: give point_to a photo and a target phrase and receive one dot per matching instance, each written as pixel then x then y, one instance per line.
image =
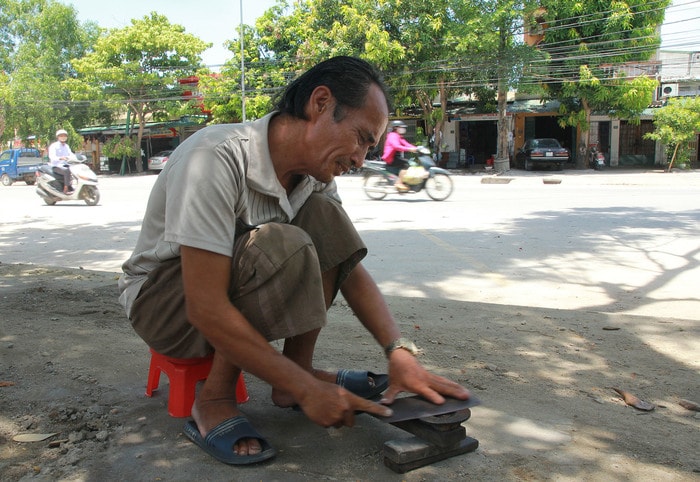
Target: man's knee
pixel 280 241
pixel 270 251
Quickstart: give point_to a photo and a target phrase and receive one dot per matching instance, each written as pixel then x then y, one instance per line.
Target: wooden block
pixel 441 436
pixel 404 455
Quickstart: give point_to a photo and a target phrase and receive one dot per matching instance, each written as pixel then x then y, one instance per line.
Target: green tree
pixel 138 67
pixel 39 38
pixel 501 54
pixel 222 92
pixel 407 40
pixel 597 52
pixel 676 126
pixel 435 37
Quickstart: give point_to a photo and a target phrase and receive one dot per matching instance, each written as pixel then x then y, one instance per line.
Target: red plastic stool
pixel 183 374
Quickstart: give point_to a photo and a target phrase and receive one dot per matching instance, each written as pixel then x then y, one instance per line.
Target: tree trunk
pixel 502 162
pixel 673 158
pixel 427 109
pixel 585 137
pixel 142 124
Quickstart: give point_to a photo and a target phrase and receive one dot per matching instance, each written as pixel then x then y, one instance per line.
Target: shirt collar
pixel 261 175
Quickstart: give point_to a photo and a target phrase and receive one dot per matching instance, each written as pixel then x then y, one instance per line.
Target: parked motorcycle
pixel 421 174
pixel 49 185
pixel 596 159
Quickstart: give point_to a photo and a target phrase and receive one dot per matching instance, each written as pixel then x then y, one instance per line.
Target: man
pixel 244 241
pixel 59 153
pixel 394 147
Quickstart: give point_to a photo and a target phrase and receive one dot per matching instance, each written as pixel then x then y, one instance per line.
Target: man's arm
pixel 405 373
pixel 52 153
pixel 206 278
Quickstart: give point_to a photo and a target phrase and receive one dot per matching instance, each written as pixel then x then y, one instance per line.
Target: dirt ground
pixel 70 365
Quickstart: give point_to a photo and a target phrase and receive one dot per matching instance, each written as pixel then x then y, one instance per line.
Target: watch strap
pixel 401 343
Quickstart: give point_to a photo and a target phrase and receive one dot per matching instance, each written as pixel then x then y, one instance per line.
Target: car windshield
pixel 546 143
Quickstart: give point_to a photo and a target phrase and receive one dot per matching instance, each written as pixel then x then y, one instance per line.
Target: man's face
pixel 63 138
pixel 343 144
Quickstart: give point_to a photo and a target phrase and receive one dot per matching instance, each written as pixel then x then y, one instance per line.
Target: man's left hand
pixel 407 375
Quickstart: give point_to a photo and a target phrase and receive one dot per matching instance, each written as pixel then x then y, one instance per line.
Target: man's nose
pixel 359 161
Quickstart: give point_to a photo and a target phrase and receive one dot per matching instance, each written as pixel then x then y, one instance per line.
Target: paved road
pixel 623 242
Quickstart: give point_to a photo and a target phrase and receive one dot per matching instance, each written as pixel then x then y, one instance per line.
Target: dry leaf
pixel 6 384
pixel 634 401
pixel 32 437
pixel 688 405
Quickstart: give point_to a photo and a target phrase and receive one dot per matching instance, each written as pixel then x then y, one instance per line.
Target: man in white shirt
pixel 244 241
pixel 59 153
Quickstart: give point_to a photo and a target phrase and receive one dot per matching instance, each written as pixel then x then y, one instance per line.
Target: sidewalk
pixel 544 377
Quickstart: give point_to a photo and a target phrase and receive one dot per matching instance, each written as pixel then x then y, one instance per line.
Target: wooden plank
pixel 405 455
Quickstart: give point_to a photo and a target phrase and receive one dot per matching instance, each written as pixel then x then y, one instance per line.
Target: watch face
pixel 403 343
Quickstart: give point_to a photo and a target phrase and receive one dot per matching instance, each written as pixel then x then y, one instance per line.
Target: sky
pixel 215 21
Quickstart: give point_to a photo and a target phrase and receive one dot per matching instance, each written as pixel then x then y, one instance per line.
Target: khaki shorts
pixel 275 282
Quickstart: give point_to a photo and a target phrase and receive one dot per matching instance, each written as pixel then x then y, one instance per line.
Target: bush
pixel 121 146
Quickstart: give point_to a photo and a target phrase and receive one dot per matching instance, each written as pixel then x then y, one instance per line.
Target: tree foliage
pixel 138 67
pixel 676 125
pixel 416 43
pixel 38 39
pixel 596 52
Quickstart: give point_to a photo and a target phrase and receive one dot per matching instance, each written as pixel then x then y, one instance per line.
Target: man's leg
pixel 339 248
pixel 216 402
pixel 301 348
pixel 65 172
pixel 272 267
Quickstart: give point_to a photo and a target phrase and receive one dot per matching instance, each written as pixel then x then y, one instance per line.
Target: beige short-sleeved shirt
pixel 219 176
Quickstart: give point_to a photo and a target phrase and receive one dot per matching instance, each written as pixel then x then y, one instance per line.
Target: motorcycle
pixel 596 159
pixel 49 185
pixel 422 174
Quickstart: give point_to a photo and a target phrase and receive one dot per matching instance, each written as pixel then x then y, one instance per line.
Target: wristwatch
pixel 403 343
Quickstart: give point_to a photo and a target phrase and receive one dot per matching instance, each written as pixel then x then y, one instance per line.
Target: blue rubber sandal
pixel 358 382
pixel 220 440
pixel 362 383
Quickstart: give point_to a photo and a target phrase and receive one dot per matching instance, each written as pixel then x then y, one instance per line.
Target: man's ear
pixel 320 101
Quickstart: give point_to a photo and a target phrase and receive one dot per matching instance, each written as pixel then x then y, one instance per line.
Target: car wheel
pixel 6 180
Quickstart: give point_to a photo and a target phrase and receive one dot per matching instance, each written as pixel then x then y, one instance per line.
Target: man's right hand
pixel 330 405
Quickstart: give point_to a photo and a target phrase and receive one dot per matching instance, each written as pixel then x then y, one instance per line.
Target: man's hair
pixel 348 79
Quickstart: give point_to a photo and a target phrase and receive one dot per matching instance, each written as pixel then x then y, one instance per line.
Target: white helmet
pixel 61 132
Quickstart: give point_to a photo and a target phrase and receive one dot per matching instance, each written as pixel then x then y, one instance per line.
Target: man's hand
pixel 407 375
pixel 330 405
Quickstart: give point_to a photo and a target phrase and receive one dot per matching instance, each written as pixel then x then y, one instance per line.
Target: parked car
pixel 157 162
pixel 541 152
pixel 19 165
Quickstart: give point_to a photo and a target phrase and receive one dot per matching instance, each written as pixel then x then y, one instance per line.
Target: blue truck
pixel 19 165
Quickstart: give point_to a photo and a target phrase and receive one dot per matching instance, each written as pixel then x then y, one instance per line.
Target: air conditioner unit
pixel 669 90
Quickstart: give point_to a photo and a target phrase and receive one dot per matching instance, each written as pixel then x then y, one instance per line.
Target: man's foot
pixel 401 186
pixel 207 414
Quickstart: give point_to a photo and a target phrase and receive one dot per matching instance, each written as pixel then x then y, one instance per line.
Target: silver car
pixel 157 162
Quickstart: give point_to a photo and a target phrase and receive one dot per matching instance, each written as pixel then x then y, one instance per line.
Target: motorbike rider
pixel 59 153
pixel 394 147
